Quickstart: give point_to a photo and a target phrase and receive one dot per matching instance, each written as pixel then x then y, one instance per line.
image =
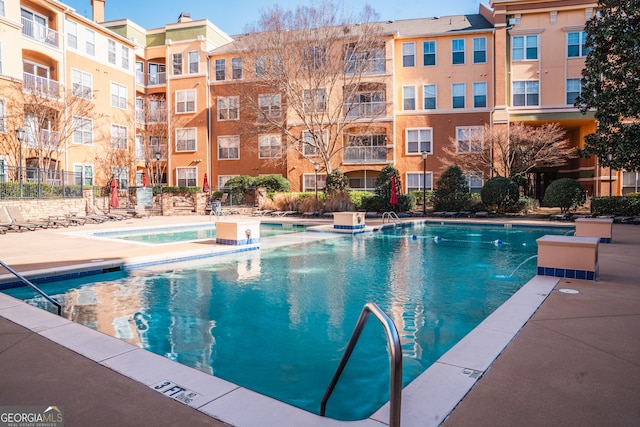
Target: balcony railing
pixel 39 32
pixel 366 109
pixel 364 155
pixel 40 85
pixel 157 79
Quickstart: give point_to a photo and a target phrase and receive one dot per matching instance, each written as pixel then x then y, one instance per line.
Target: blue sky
pixel 232 18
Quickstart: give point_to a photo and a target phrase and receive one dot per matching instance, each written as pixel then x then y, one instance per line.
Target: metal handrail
pixel 34 287
pixel 392 217
pixel 395 380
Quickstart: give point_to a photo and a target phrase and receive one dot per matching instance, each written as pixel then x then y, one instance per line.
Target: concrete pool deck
pixel 575 362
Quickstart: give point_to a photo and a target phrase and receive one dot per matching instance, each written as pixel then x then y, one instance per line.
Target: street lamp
pixel 610 158
pixel 20 135
pixel 316 166
pixel 424 183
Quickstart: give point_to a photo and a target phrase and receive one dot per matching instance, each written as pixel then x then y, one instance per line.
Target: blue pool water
pixel 277 321
pixel 188 233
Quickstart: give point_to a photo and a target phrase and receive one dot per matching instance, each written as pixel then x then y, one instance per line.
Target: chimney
pixel 184 17
pixel 98 10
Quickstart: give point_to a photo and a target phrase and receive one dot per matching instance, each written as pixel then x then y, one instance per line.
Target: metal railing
pixel 39 32
pixel 359 154
pixel 395 380
pixel 34 287
pixel 39 183
pixel 392 216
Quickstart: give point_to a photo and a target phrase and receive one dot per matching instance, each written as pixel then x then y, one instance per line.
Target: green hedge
pixel 617 205
pixel 31 190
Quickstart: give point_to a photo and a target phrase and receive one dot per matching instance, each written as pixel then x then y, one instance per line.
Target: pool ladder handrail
pixel 392 217
pixel 395 376
pixel 34 287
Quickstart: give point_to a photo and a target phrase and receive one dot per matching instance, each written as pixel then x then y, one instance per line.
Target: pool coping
pixel 423 404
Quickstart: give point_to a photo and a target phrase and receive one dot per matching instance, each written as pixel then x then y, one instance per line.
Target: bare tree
pixel 154 128
pixel 51 117
pixel 318 76
pixel 512 151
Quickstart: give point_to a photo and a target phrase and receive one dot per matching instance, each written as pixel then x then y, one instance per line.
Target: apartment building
pixel 179 96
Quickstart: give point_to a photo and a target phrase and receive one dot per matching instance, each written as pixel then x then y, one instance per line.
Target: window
pixel 221 66
pixel 408 98
pixel 157 74
pixel 194 62
pixel 457 51
pixel 236 68
pixel 524 48
pixel 228 147
pixel 222 179
pixel 81 84
pixel 124 54
pixel 83 174
pixel 3 117
pixel 118 96
pixel 469 139
pixel 416 181
pixel 474 182
pixel 90 42
pixel 119 137
pixel 574 89
pixel 111 51
pixel 82 131
pixel 365 148
pixel 479 50
pixel 370 61
pixel 261 65
pixel 2 9
pixel 419 140
pixel 576 47
pixel 72 34
pixel 314 57
pixel 309 183
pixel 429 95
pixel 457 95
pixel 177 64
pixel 366 104
pixel 187 177
pixel 525 93
pixel 269 146
pixel 186 139
pixel 630 182
pixel 228 107
pixel 122 176
pixel 315 100
pixel 429 53
pixel 270 106
pixel 480 95
pixel 408 54
pixel 1 57
pixel 186 101
pixel 310 144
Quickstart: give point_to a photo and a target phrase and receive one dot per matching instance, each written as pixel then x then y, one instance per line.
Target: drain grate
pixel 472 373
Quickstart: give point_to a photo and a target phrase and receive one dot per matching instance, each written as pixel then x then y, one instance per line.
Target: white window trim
pixel 468 128
pixel 415 97
pixel 429 184
pixel 237 137
pixel 195 140
pixel 418 153
pixel 185 101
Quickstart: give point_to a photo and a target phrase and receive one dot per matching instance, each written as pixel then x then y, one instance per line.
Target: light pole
pixel 158 155
pixel 316 166
pixel 20 137
pixel 610 158
pixel 424 183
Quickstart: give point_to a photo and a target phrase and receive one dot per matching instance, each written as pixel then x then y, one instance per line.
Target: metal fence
pixel 39 183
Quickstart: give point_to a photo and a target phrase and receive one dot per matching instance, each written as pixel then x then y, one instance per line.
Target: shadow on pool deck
pixel 576 362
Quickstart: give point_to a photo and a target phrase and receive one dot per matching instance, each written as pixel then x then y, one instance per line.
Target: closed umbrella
pixel 393 200
pixel 114 193
pixel 144 179
pixel 205 184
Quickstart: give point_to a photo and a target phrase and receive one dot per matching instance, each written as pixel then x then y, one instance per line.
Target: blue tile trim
pixel 242 242
pixel 56 277
pixel 348 227
pixel 605 240
pixel 567 273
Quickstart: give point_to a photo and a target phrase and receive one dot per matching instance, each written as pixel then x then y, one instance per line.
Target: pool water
pixel 277 321
pixel 189 233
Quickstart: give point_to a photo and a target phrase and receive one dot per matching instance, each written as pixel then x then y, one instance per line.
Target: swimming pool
pixel 189 233
pixel 277 321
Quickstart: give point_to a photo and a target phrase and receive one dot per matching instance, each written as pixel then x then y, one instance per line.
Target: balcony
pixel 49 140
pixel 39 32
pixel 366 109
pixel 364 155
pixel 40 85
pixel 157 79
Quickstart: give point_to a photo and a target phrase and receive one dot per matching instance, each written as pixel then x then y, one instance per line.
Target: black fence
pixel 38 183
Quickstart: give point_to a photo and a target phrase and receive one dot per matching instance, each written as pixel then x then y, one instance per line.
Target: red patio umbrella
pixel 144 179
pixel 205 184
pixel 114 193
pixel 393 200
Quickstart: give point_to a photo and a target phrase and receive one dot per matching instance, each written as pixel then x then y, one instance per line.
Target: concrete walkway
pixel 576 362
